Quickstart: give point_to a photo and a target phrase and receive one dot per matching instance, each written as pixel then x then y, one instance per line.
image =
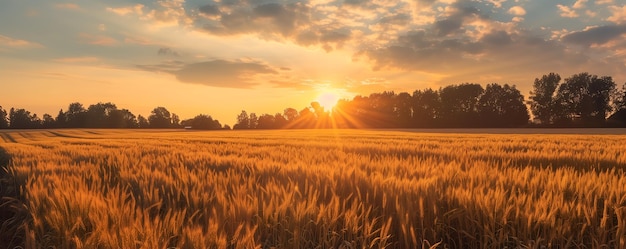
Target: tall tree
pixel 203 122
pixel 4 122
pixel 502 106
pixel 76 115
pixel 61 119
pixel 160 117
pixel 542 101
pixel 142 122
pixel 243 121
pixel 425 105
pixel 23 119
pixel 48 121
pixel 586 97
pixel 97 115
pixel 459 105
pixel 402 109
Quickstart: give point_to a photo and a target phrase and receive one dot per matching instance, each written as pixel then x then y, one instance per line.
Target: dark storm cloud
pixel 597 35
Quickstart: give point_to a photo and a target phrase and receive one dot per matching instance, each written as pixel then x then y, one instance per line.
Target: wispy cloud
pixel 101 40
pixel 69 6
pixel 85 59
pixel 6 41
pixel 566 11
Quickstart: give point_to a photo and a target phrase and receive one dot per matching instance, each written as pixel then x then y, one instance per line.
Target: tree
pixel 266 121
pixel 459 105
pixel 97 115
pixel 403 109
pixel 425 105
pixel 542 102
pixel 290 114
pixel 122 119
pixel 47 121
pixel 243 121
pixel 502 106
pixel 619 99
pixel 586 97
pixel 279 121
pixel 253 121
pixel 4 122
pixel 61 119
pixel 76 115
pixel 203 122
pixel 142 122
pixel 160 117
pixel 23 119
pixel 175 120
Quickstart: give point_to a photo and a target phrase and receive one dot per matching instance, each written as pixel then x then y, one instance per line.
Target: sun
pixel 328 100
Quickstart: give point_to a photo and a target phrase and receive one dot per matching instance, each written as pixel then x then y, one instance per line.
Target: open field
pixel 311 189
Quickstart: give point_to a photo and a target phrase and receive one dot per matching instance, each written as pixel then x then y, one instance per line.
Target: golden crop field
pixel 311 189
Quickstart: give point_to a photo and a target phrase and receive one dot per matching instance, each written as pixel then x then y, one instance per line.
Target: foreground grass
pixel 312 189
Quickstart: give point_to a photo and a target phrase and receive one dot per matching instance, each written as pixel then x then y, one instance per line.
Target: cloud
pixel 69 6
pixel 6 41
pixel 618 14
pixel 517 11
pixel 216 73
pixel 596 35
pixel 580 4
pixel 97 39
pixel 122 11
pixel 86 59
pixel 565 11
pixel 167 52
pixel 604 1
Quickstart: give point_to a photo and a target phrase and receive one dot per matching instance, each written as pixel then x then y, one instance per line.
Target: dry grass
pixel 314 189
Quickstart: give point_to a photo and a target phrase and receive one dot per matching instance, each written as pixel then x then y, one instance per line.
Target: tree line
pixel 103 115
pixel 582 100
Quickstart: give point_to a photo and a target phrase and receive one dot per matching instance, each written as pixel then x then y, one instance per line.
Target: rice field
pixel 311 189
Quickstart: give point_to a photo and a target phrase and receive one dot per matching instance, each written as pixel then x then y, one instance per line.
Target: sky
pixel 219 57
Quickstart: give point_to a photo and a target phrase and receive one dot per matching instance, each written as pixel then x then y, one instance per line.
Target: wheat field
pixel 311 189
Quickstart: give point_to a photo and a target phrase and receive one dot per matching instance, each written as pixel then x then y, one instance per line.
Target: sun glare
pixel 328 100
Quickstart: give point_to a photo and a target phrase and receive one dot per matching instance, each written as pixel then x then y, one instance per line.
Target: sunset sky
pixel 219 57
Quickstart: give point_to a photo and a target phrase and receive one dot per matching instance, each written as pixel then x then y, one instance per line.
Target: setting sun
pixel 328 100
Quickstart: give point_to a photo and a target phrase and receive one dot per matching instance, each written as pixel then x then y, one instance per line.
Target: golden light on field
pixel 311 189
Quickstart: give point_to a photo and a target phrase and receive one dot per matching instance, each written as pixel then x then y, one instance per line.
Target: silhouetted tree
pixel 122 119
pixel 502 106
pixel 266 121
pixel 403 109
pixel 203 122
pixel 253 121
pixel 23 119
pixel 458 105
pixel 48 121
pixel 279 121
pixel 160 117
pixel 175 121
pixel 290 114
pixel 61 119
pixel 97 115
pixel 586 97
pixel 142 122
pixel 243 121
pixel 76 115
pixel 4 122
pixel 542 102
pixel 425 105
